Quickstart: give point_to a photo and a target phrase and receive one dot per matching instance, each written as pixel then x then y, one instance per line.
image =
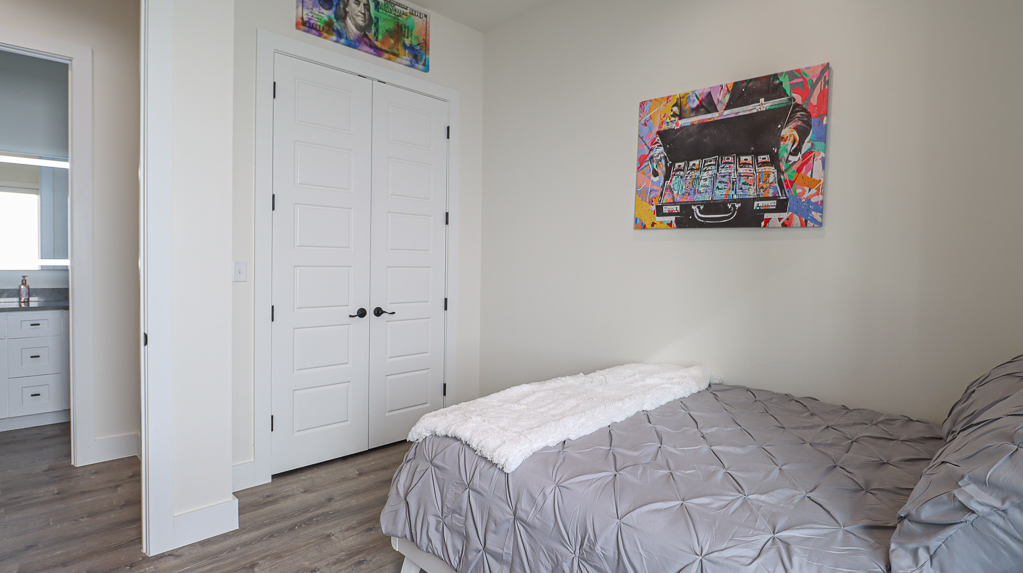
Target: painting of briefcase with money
pixel 743 154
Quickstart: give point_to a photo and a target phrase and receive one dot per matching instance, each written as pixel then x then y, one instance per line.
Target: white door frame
pixel 85 448
pixel 156 275
pixel 266 46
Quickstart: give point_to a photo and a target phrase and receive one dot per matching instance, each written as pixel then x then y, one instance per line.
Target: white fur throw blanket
pixel 508 426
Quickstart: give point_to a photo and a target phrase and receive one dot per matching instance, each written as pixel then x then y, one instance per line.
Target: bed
pixel 728 479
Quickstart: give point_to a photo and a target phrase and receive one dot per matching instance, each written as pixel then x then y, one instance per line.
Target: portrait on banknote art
pixel 384 28
pixel 743 154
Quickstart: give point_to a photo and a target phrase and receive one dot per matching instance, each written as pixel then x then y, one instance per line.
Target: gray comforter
pixel 729 479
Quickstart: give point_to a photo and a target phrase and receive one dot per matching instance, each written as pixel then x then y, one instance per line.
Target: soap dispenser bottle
pixel 23 291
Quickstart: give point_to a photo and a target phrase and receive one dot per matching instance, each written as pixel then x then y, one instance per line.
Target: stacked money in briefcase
pixel 723 169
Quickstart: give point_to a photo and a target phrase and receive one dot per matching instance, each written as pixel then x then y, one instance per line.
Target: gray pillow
pixel 966 512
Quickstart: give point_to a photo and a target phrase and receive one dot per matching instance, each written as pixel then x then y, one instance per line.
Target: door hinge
pixel 449 132
pixel 445 304
pixel 275 90
pixel 145 339
pixel 273 202
pixel 271 313
pixel 271 423
pixel 445 389
pixel 447 218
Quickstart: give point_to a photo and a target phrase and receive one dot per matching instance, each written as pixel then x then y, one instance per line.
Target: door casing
pixel 257 471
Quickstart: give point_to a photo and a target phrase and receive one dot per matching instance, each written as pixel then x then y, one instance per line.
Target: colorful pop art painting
pixel 384 28
pixel 743 154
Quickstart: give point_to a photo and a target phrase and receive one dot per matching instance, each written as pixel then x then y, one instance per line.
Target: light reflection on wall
pixel 19 231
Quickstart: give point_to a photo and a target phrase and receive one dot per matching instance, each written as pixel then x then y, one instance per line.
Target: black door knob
pixel 360 314
pixel 380 312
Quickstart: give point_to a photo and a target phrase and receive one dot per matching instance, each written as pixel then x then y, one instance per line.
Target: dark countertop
pixel 39 299
pixel 12 306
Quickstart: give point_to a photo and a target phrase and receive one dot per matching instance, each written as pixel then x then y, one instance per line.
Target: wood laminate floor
pixel 56 517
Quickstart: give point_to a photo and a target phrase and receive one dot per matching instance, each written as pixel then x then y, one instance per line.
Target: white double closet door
pixel 360 194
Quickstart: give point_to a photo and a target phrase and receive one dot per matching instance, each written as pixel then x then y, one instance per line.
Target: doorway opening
pixel 35 373
pixel 46 150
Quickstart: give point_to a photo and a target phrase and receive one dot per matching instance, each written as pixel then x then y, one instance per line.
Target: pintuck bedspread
pixel 727 480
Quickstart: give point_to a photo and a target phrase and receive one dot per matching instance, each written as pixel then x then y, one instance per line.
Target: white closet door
pixel 321 234
pixel 409 249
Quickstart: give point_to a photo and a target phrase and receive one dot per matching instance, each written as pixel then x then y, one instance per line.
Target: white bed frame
pixel 417 560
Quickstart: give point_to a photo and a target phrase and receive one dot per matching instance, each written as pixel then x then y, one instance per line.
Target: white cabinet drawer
pixel 35 356
pixel 38 394
pixel 3 325
pixel 33 324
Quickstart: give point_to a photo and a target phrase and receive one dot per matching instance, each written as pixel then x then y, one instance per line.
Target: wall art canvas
pixel 743 154
pixel 384 28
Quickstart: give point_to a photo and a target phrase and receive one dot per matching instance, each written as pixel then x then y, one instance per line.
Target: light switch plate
pixel 241 272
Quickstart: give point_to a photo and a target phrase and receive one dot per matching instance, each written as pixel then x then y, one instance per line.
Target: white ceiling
pixel 481 15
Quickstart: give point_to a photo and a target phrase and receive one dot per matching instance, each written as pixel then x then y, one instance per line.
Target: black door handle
pixel 360 314
pixel 380 312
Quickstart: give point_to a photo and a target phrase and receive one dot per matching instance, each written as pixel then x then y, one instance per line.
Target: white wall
pixel 908 292
pixel 110 28
pixel 456 61
pixel 203 95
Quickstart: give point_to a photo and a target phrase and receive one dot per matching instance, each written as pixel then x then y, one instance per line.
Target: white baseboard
pixel 44 419
pixel 106 449
pixel 244 476
pixel 205 523
pixel 94 452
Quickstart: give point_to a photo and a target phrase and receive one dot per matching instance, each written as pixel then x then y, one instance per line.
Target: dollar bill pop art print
pixel 384 28
pixel 742 154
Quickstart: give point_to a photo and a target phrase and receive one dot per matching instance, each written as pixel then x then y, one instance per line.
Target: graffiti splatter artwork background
pixel 743 154
pixel 384 28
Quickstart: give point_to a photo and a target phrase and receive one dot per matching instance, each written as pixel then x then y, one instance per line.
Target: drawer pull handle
pixel 36 356
pixel 36 395
pixel 34 324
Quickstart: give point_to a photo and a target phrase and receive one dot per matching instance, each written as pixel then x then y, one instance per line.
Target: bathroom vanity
pixel 35 371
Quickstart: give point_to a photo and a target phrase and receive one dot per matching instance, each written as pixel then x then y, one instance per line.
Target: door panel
pixel 322 287
pixel 408 390
pixel 321 273
pixel 323 227
pixel 408 263
pixel 319 408
pixel 408 285
pixel 323 167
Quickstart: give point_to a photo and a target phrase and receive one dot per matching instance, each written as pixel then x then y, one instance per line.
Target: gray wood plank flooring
pixel 56 517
